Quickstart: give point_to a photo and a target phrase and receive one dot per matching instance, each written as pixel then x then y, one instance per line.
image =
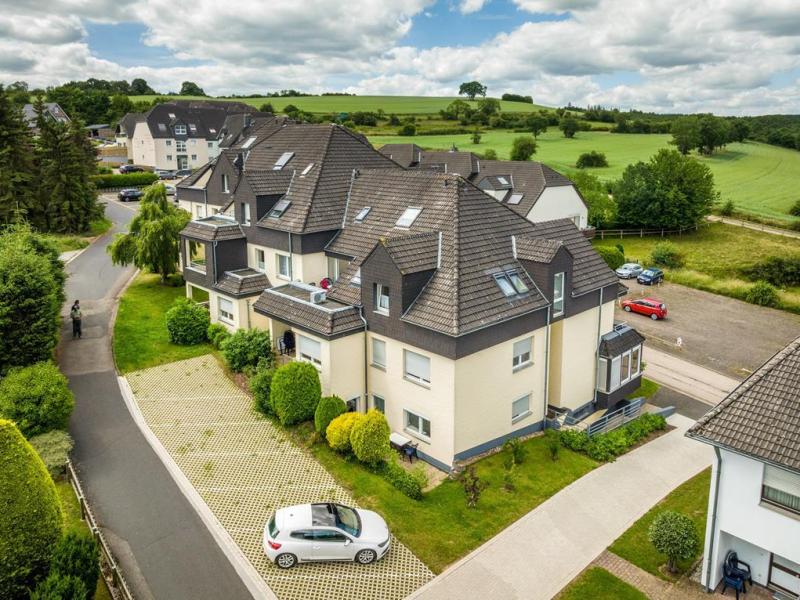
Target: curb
pixel 252 580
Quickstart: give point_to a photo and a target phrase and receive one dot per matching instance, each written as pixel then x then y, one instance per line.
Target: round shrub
pixel 727 209
pixel 295 392
pixel 763 294
pixel 674 535
pixel 53 448
pixel 260 386
pixel 246 348
pixel 216 334
pixel 408 129
pixel 795 209
pixel 36 398
pixel 30 520
pixel 76 555
pixel 187 322
pixel 613 257
pixel 60 587
pixel 667 254
pixel 369 438
pixel 339 430
pixel 591 159
pixel 328 409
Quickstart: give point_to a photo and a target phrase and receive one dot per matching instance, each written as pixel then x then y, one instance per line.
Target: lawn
pixel 440 528
pixel 714 256
pixel 68 242
pixel 599 584
pixel 140 331
pixel 691 499
pixel 645 390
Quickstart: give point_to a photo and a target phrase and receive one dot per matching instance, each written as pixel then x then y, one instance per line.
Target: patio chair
pixel 738 567
pixel 410 450
pixel 733 580
pixel 287 342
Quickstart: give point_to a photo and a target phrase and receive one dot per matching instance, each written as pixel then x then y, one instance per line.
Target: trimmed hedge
pixel 607 446
pixel 369 438
pixel 216 334
pixel 31 521
pixel 260 386
pixel 339 430
pixel 76 555
pixel 123 180
pixel 410 483
pixel 60 587
pixel 246 348
pixel 613 256
pixel 187 322
pixel 37 398
pixel 295 392
pixel 328 409
pixel 53 448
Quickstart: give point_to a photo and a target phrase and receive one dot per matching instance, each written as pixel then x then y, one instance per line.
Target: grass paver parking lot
pixel 244 467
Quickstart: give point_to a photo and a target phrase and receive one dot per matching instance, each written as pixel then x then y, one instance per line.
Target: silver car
pixel 629 271
pixel 325 532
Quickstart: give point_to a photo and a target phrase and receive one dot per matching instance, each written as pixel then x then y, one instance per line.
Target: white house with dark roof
pixel 754 503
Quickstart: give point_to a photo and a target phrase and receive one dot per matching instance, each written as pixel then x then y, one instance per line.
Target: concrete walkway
pixel 686 377
pixel 538 555
pixel 754 226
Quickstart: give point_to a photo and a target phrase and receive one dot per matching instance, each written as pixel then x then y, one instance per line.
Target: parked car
pixel 653 308
pixel 130 169
pixel 629 271
pixel 165 174
pixel 130 194
pixel 170 189
pixel 181 173
pixel 325 532
pixel 650 276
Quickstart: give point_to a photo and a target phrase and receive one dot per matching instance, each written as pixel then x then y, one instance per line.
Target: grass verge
pixel 69 242
pixel 598 584
pixel 689 498
pixel 647 389
pixel 140 331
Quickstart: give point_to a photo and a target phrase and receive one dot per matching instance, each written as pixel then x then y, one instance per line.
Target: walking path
pixel 687 378
pixel 538 555
pixel 754 226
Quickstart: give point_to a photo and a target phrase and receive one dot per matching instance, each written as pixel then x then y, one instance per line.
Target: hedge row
pixel 607 446
pixel 122 180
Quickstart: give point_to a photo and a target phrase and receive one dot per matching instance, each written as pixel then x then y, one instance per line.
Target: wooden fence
pixel 620 233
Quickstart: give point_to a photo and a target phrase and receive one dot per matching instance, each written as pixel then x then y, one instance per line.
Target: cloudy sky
pixel 725 56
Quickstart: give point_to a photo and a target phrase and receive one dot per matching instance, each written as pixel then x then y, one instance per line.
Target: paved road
pixel 165 550
pixel 538 555
pixel 687 378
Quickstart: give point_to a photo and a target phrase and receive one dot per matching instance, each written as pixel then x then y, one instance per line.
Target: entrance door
pixel 183 161
pixel 784 575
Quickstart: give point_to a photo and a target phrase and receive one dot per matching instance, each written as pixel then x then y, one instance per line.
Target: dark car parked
pixel 130 194
pixel 130 169
pixel 165 174
pixel 651 276
pixel 181 173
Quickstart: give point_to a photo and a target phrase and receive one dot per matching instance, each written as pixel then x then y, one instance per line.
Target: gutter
pixel 713 520
pixel 366 359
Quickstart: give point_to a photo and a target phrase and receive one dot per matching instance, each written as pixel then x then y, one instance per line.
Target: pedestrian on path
pixel 75 315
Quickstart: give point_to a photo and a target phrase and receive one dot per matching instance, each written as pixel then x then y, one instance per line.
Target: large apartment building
pixel 412 291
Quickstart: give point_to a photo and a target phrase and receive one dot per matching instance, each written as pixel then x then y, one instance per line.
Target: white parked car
pixel 325 532
pixel 169 189
pixel 629 271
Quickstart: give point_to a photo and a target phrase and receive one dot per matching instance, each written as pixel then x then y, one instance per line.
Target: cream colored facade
pixel 240 313
pixel 308 268
pixel 163 153
pixel 560 202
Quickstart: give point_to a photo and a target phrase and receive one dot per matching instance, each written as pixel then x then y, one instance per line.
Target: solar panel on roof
pixel 515 198
pixel 408 217
pixel 281 162
pixel 279 208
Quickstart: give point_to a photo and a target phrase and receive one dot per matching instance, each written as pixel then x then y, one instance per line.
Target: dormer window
pixel 356 280
pixel 180 129
pixel 225 188
pixel 193 127
pixel 511 284
pixel 279 208
pixel 307 170
pixel 558 294
pixel 362 214
pixel 249 142
pixel 381 298
pixel 408 217
pixel 281 162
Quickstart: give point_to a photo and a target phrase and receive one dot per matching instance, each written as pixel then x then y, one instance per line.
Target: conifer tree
pixel 16 161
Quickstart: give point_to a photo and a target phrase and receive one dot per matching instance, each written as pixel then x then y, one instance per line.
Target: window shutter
pixel 379 352
pixel 782 480
pixel 310 348
pixel 418 366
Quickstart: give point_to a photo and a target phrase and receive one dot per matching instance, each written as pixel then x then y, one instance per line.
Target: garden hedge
pixel 410 483
pixel 53 448
pixel 123 180
pixel 60 587
pixel 246 348
pixel 604 447
pixel 328 409
pixel 338 432
pixel 260 386
pixel 613 256
pixel 76 555
pixel 37 398
pixel 295 392
pixel 216 334
pixel 187 322
pixel 369 438
pixel 31 520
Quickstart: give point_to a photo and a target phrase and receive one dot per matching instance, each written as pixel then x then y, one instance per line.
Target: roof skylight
pixel 517 282
pixel 279 208
pixel 362 214
pixel 171 115
pixel 515 198
pixel 162 127
pixel 307 170
pixel 193 127
pixel 511 284
pixel 408 217
pixel 505 285
pixel 249 142
pixel 281 162
pixel 502 180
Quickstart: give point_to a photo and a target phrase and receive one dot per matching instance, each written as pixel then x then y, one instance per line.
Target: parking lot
pixel 720 333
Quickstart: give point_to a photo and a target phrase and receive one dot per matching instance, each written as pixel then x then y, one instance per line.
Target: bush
pixel 490 154
pixel 779 271
pixel 727 209
pixel 328 409
pixel 473 486
pixel 216 334
pixel 187 322
pixel 613 257
pixel 76 555
pixel 260 385
pixel 53 448
pixel 295 392
pixel 591 159
pixel 30 520
pixel 763 294
pixel 60 587
pixel 245 348
pixel 338 432
pixel 674 535
pixel 795 209
pixel 553 444
pixel 574 439
pixel 123 180
pixel 667 255
pixel 369 438
pixel 408 129
pixel 522 148
pixel 37 398
pixel 607 446
pixel 515 449
pixel 410 483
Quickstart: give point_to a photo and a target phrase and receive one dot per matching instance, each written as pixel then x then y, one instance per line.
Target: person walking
pixel 75 315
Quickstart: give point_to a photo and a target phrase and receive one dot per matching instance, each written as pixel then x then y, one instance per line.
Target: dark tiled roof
pixel 622 338
pixel 50 108
pixel 207 117
pixel 526 177
pixel 291 304
pixel 192 179
pixel 128 123
pixel 414 253
pixel 537 249
pixel 243 282
pixel 761 417
pixel 450 161
pixel 237 128
pixel 404 155
pixel 494 182
pixel 214 228
pixel 269 183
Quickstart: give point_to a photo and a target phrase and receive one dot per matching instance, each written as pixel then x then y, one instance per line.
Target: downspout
pixel 546 367
pixel 713 520
pixel 597 346
pixel 366 360
pixel 291 260
pixel 247 309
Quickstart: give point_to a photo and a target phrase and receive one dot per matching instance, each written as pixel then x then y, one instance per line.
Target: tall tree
pixel 139 87
pixel 153 239
pixel 712 132
pixel 16 161
pixel 120 106
pixel 569 126
pixel 537 124
pixel 470 89
pixel 190 88
pixel 685 134
pixel 602 208
pixel 523 147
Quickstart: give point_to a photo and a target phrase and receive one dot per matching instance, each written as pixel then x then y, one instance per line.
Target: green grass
pixel 691 499
pixel 140 332
pixel 72 520
pixel 714 257
pixel 69 242
pixel 440 528
pixel 599 584
pixel 645 390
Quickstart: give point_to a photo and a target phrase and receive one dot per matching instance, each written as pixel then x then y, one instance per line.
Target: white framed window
pixel 416 424
pixel 335 268
pixel 261 262
pixel 169 142
pixel 225 188
pixel 381 298
pixel 225 310
pixel 613 382
pixel 284 266
pixel 309 350
pixel 378 403
pixel 245 206
pixel 558 294
pixel 522 354
pixel 194 157
pixel 636 361
pixel 180 129
pixel 602 374
pixel 781 488
pixel 180 146
pixel 210 144
pixel 417 368
pixel 356 279
pixel 520 408
pixel 196 255
pixel 378 353
pixel 624 367
pixel 169 157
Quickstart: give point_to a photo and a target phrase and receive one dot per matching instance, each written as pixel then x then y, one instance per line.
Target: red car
pixel 655 309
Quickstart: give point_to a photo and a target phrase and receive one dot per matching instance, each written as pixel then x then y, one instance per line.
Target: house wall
pixel 559 202
pixel 143 150
pixel 744 523
pixel 309 268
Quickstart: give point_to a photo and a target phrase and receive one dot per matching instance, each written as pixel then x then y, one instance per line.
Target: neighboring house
pixel 184 134
pixel 100 131
pixel 529 188
pixel 52 111
pixel 754 504
pixel 411 291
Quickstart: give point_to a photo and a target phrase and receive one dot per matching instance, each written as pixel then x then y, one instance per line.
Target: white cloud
pixel 470 6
